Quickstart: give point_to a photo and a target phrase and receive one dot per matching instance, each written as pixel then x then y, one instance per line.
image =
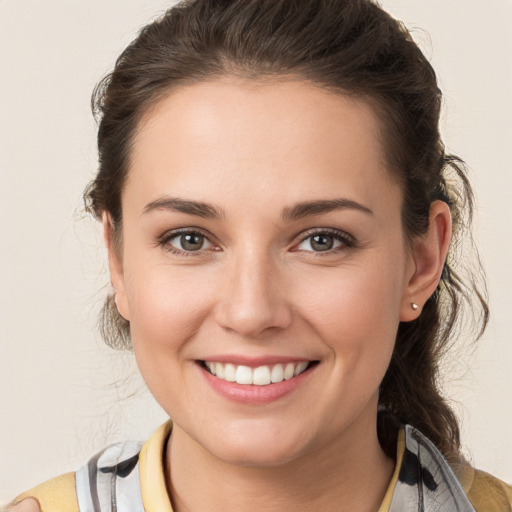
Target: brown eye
pixel 190 242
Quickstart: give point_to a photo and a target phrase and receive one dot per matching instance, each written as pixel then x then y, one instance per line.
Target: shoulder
pixel 484 491
pixel 56 495
pixel 92 484
pixel 111 476
pixel 427 479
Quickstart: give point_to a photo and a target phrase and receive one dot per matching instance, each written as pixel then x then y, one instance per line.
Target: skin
pixel 257 287
pixel 27 505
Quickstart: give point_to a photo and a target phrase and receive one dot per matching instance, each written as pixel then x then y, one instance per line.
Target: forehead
pixel 237 137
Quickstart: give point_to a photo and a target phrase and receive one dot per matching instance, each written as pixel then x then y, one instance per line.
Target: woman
pixel 278 209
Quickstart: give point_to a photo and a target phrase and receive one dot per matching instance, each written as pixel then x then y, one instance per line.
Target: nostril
pixel 251 318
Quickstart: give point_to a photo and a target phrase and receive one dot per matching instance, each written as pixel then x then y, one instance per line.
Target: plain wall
pixel 63 395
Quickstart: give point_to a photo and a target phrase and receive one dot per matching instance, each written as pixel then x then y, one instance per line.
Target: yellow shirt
pixel 485 492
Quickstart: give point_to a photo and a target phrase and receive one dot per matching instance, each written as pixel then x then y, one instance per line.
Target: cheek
pixel 167 309
pixel 355 309
pixel 351 294
pixel 163 298
pixel 166 306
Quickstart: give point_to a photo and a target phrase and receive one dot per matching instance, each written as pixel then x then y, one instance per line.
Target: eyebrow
pixel 198 208
pixel 296 212
pixel 309 208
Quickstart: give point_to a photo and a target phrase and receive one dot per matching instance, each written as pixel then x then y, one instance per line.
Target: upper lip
pixel 254 362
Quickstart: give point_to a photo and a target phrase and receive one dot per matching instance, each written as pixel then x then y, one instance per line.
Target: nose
pixel 253 298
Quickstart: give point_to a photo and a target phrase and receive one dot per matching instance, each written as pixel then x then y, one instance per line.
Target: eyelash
pixel 166 238
pixel 346 240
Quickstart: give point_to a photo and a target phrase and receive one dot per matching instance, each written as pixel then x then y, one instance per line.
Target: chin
pixel 256 456
pixel 257 448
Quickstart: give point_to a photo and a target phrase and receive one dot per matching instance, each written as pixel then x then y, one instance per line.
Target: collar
pixel 151 469
pixel 422 479
pixel 425 480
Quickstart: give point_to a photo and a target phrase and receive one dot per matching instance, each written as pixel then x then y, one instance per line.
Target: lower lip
pixel 252 394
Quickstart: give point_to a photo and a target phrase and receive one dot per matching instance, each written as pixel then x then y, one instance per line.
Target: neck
pixel 350 473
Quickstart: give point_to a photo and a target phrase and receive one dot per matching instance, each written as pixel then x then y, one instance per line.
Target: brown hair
pixel 347 46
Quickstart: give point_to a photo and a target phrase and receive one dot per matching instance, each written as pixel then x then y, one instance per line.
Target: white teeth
pixel 219 370
pixel 229 372
pixel 289 371
pixel 243 375
pixel 260 376
pixel 277 373
pixel 299 368
pixel 211 367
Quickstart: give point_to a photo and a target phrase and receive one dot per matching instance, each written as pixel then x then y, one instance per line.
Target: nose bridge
pixel 254 299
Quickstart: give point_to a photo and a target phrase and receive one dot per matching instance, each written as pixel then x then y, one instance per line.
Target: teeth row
pixel 260 376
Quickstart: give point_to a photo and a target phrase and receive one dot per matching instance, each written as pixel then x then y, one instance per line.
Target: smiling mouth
pixel 260 376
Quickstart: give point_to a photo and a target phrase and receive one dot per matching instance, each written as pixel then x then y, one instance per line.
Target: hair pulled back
pixel 348 46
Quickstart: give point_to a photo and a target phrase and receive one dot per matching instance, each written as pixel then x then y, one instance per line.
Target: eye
pixel 189 241
pixel 323 242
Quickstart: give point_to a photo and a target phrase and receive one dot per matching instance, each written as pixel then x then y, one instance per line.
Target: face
pixel 262 242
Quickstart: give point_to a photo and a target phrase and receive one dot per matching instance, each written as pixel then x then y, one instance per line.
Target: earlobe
pixel 115 266
pixel 429 255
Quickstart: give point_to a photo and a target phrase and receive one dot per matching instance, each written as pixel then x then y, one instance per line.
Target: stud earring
pixel 414 306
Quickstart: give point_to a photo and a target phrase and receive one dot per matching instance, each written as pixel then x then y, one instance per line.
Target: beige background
pixel 63 396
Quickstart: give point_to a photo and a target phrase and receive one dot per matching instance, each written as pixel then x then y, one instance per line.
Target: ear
pixel 428 256
pixel 115 264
